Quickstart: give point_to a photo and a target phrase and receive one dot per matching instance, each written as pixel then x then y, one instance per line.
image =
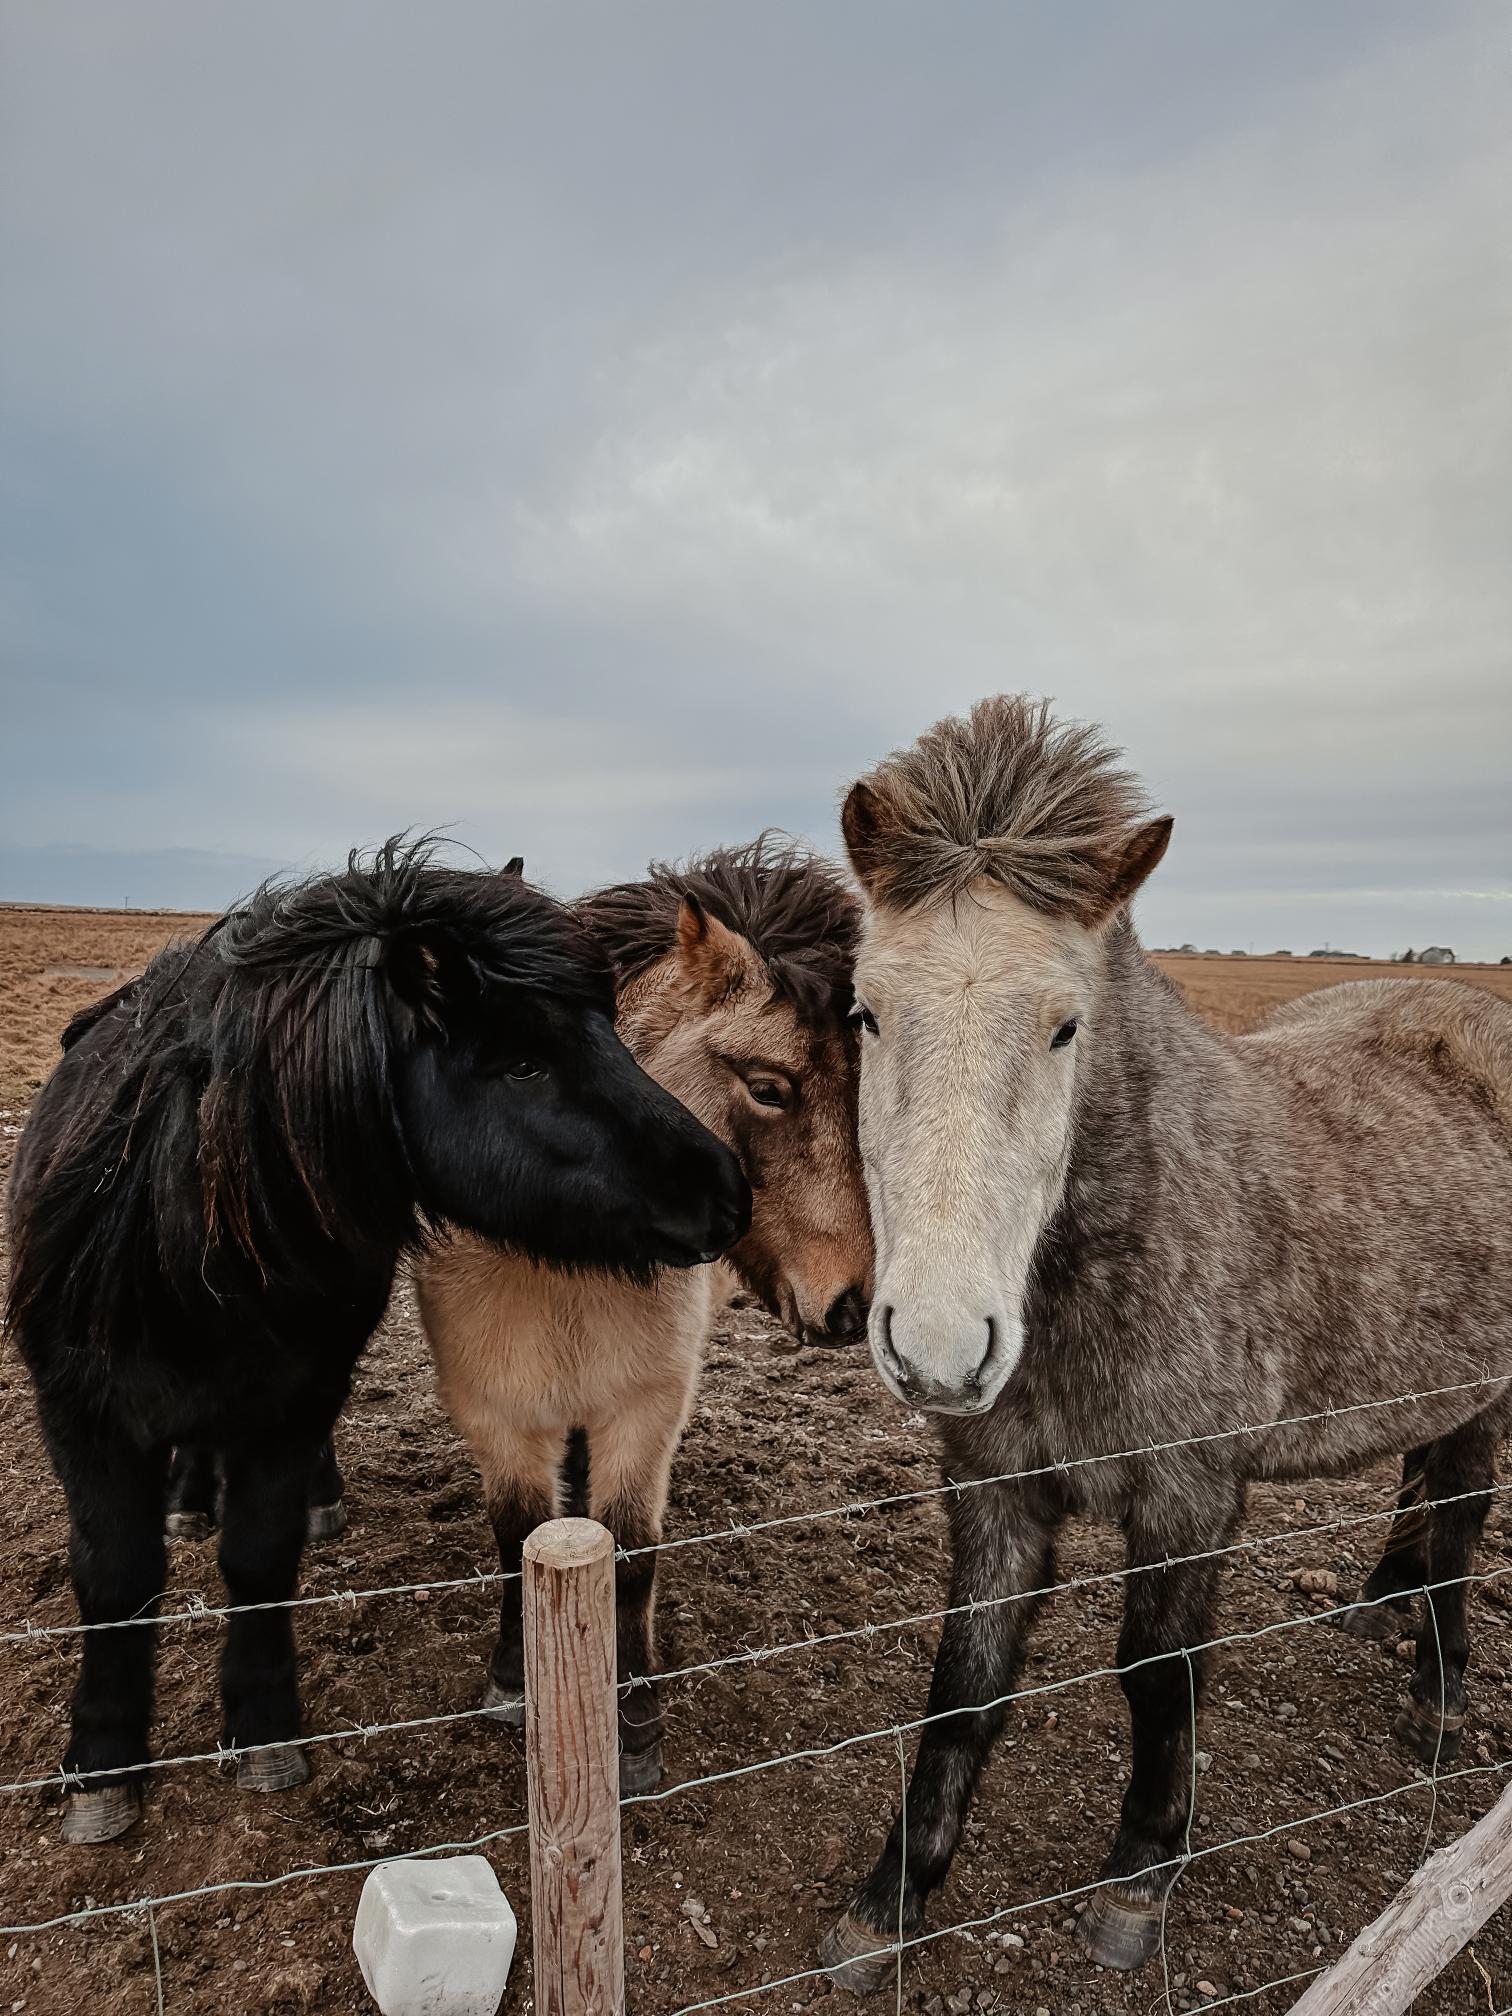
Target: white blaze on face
pixel 966 1103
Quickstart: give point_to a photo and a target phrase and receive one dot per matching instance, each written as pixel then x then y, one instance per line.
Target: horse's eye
pixel 767 1092
pixel 1063 1035
pixel 521 1068
pixel 865 1017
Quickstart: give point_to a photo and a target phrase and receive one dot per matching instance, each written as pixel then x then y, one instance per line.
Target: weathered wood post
pixel 572 1757
pixel 1423 1927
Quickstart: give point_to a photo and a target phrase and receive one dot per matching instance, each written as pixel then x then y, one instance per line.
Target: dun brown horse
pixel 735 983
pixel 1101 1223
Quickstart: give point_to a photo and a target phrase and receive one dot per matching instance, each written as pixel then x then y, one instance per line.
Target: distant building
pixel 1237 954
pixel 1190 948
pixel 1436 955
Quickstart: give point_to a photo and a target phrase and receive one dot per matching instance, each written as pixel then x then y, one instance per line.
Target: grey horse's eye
pixel 865 1017
pixel 1063 1035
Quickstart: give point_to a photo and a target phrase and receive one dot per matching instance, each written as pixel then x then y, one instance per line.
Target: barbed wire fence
pixel 142 1910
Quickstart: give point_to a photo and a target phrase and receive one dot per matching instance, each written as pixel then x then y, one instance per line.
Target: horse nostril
pixel 846 1319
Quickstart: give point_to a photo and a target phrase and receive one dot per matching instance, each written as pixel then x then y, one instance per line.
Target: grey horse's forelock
pixel 1006 794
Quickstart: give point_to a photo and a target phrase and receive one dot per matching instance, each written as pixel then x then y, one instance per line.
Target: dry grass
pixel 1238 994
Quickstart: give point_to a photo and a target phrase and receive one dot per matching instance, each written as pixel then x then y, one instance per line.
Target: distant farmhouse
pixel 1435 955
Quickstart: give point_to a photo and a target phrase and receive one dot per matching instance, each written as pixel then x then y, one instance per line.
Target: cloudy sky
pixel 604 429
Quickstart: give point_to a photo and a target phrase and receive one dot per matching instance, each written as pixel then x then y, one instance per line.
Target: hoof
pixel 277 1768
pixel 324 1522
pixel 1377 1623
pixel 1431 1738
pixel 91 1817
pixel 640 1770
pixel 856 1957
pixel 504 1704
pixel 188 1526
pixel 1117 1933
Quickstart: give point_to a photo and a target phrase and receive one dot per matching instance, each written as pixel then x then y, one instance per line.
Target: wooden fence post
pixel 572 1757
pixel 1442 1907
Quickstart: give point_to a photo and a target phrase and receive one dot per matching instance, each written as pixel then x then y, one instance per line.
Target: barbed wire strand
pixel 1023 1906
pixel 198 1611
pixel 239 1883
pixel 230 1753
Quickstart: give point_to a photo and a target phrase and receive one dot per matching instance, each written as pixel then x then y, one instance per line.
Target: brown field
pixel 1298 1723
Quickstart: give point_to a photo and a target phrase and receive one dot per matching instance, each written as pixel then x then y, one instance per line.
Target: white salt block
pixel 435 1938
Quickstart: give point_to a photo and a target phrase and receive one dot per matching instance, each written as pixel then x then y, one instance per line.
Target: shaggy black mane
pixel 792 907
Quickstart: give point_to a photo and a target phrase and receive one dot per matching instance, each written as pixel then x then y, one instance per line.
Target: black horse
pixel 214 1190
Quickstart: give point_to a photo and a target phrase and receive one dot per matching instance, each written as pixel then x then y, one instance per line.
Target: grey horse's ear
pixel 862 824
pixel 1139 857
pixel 515 866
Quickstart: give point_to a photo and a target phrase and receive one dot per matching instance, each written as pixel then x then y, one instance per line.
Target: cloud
pixel 607 433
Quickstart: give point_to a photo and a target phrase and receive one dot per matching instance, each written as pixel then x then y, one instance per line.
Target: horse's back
pixel 1450 1038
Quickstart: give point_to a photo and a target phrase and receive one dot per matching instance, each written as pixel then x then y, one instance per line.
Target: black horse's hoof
pixel 504 1704
pixel 188 1526
pixel 640 1770
pixel 1377 1623
pixel 276 1767
pixel 324 1522
pixel 1119 1933
pixel 1432 1738
pixel 91 1817
pixel 856 1957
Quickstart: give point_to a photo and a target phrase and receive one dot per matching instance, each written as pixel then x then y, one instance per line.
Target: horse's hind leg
pixel 1460 1468
pixel 116 1556
pixel 520 1472
pixel 262 1538
pixel 1384 1612
pixel 1165 1610
pixel 630 1467
pixel 192 1485
pixel 328 1513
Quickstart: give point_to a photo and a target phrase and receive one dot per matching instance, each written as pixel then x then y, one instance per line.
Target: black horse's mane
pixel 240 1094
pixel 792 906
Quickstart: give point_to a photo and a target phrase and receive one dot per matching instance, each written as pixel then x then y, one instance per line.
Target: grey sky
pixel 604 429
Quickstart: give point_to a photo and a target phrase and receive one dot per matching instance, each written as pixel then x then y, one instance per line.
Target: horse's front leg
pixel 1386 1598
pixel 630 1467
pixel 327 1514
pixel 1166 1609
pixel 1002 1553
pixel 262 1538
pixel 521 1473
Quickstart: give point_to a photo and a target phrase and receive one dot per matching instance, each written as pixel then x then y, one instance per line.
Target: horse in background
pixel 572 1390
pixel 212 1194
pixel 1102 1223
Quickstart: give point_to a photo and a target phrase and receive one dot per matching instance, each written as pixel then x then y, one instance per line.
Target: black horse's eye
pixel 521 1068
pixel 1063 1035
pixel 865 1017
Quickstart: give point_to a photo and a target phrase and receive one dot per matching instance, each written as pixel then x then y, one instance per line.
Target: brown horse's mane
pixel 790 905
pixel 1008 795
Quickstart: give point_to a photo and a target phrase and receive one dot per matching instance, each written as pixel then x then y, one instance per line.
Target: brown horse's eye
pixel 767 1092
pixel 1063 1035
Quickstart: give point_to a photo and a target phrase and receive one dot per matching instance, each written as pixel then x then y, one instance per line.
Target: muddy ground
pixel 728 1886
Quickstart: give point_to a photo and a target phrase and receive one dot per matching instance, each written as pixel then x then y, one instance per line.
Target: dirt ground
pixel 728 1885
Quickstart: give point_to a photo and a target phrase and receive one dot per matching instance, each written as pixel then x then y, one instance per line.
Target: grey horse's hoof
pixel 1118 1933
pixel 92 1817
pixel 856 1957
pixel 276 1767
pixel 640 1770
pixel 504 1704
pixel 1431 1737
pixel 1377 1623
pixel 188 1526
pixel 324 1522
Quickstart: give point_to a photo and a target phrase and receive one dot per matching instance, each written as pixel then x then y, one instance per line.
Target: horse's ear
pixel 1139 857
pixel 515 866
pixel 713 960
pixel 427 971
pixel 863 823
